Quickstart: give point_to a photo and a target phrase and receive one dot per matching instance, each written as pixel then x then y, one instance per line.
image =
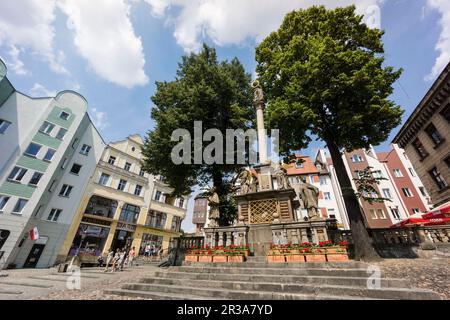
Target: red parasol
pixel 441 212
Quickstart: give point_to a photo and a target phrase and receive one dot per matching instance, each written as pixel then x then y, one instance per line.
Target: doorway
pixel 33 257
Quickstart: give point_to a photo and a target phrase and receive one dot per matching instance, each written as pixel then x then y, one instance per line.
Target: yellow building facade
pixel 123 205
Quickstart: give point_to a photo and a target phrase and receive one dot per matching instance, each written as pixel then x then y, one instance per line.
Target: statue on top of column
pixel 214 212
pixel 258 96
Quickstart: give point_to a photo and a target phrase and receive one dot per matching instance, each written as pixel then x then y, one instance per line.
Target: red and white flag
pixel 34 234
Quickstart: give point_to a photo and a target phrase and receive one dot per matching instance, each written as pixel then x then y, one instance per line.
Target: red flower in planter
pixel 343 243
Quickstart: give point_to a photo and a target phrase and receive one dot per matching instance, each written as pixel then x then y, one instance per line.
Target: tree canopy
pixel 323 75
pixel 218 94
pixel 323 70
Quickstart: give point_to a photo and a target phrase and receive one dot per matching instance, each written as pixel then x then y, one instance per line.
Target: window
pixel 129 213
pixel 64 115
pixel 387 193
pixel 85 149
pixel 75 143
pixel 434 134
pixel 112 160
pixel 176 223
pixel 104 178
pixel 359 174
pixel 50 189
pixel 412 172
pixel 438 179
pixel 47 127
pixel 323 180
pixel 33 149
pixel 64 164
pixel 398 173
pixel 17 174
pixel 122 184
pixel 156 219
pixel 36 178
pixel 447 161
pixel 422 191
pixel 356 158
pixel 406 157
pixel 373 214
pixel 20 204
pixel 381 214
pixel 3 202
pixel 407 192
pixel 158 195
pixel 445 113
pixel 54 215
pixel 327 195
pixel 49 155
pixel 299 165
pixel 181 203
pixel 415 210
pixel 420 149
pixel 4 125
pixel 141 172
pixel 65 190
pixel 127 166
pixel 331 213
pixel 137 190
pixel 75 168
pixel 311 179
pixel 377 174
pixel 61 133
pixel 395 213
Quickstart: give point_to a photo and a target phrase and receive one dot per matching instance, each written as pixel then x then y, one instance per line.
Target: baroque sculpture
pixel 214 212
pixel 281 176
pixel 310 197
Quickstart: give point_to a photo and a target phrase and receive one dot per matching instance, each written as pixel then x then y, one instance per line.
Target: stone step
pixel 216 293
pixel 249 290
pixel 155 295
pixel 265 264
pixel 274 271
pixel 331 280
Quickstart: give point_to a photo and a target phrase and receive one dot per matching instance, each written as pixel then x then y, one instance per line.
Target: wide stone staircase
pixel 256 279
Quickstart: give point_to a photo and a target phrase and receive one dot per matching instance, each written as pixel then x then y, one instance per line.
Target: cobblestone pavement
pixel 43 284
pixel 432 274
pixel 48 284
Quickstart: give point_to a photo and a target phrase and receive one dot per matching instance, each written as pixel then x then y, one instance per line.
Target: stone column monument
pixel 258 103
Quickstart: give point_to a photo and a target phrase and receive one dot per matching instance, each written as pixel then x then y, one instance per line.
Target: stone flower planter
pixel 236 258
pixel 335 249
pixel 311 257
pixel 337 257
pixel 295 258
pixel 219 258
pixel 191 258
pixel 204 258
pixel 276 258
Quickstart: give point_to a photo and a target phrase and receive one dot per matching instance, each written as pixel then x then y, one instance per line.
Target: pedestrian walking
pixel 131 256
pixel 109 259
pixel 122 259
pixel 116 260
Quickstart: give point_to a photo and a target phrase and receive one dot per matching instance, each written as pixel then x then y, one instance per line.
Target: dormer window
pixel 64 115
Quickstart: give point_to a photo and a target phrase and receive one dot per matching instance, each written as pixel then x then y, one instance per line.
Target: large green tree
pixel 323 75
pixel 220 96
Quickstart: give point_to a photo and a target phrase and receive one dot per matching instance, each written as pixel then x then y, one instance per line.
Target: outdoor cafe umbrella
pixel 441 212
pixel 411 221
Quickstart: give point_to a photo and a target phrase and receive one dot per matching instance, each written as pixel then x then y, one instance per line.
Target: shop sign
pixel 126 226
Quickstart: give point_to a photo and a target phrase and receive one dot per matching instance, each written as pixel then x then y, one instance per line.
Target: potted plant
pixel 205 256
pixel 235 256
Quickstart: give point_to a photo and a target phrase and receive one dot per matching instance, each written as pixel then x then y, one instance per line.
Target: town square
pixel 224 150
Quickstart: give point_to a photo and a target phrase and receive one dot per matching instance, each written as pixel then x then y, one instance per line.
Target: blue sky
pixel 114 51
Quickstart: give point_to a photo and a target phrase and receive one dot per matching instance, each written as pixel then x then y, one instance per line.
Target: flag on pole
pixel 34 234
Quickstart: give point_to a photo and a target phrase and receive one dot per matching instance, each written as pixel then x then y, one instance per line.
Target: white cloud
pixel 29 25
pixel 39 90
pixel 234 21
pixel 15 64
pixel 443 44
pixel 98 118
pixel 104 36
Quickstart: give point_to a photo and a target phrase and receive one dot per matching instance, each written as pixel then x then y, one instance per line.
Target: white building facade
pixel 49 151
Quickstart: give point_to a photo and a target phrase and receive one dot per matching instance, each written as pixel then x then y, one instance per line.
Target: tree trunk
pixel 364 249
